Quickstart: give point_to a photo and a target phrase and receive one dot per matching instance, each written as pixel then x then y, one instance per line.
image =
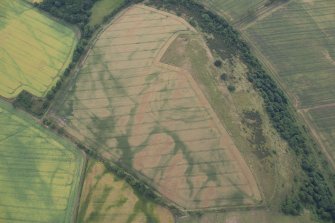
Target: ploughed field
pixel 153 118
pixel 39 174
pixel 34 49
pixel 296 42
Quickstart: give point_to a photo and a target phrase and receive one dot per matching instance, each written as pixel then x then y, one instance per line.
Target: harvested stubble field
pixel 39 174
pixel 234 10
pixel 296 43
pixel 153 118
pixel 105 198
pixel 35 49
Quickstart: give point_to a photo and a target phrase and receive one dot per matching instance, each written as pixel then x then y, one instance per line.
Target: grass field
pixel 108 199
pixel 159 122
pixel 296 43
pixel 103 8
pixel 39 173
pixel 323 119
pixel 34 51
pixel 234 10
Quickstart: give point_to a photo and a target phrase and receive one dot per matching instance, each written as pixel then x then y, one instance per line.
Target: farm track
pixel 148 103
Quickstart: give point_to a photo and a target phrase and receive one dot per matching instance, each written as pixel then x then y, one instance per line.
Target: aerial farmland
pixel 158 121
pixel 166 111
pixel 36 61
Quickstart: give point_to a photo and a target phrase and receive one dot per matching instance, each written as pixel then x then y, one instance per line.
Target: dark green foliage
pixel 76 12
pixel 30 103
pixel 291 206
pixel 313 190
pixel 231 88
pixel 224 76
pixel 218 63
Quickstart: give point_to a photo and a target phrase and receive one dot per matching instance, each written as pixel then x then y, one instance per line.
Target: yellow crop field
pixel 105 198
pixel 39 173
pixel 34 49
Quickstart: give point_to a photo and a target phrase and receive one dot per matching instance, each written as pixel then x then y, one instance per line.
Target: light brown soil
pixel 155 118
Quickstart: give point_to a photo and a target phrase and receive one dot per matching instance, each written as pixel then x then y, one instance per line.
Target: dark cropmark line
pixel 150 34
pixel 34 183
pixel 175 141
pixel 123 76
pixel 149 27
pixel 145 68
pixel 44 157
pixel 120 105
pixel 35 208
pixel 175 131
pixel 127 77
pixel 121 52
pixel 112 61
pixel 39 171
pixel 193 152
pixel 220 186
pixel 134 43
pixel 147 92
pixel 202 174
pixel 125 96
pixel 197 109
pixel 142 113
pixel 143 20
pixel 187 164
pixel 113 70
pixel 137 87
pixel 34 173
pixel 165 120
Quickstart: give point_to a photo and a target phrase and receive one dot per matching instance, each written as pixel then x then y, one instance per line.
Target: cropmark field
pixel 105 198
pixel 296 43
pixel 39 173
pixel 153 118
pixel 35 49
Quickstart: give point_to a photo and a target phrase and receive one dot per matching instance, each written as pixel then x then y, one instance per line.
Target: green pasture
pixel 234 10
pixel 324 120
pixel 101 9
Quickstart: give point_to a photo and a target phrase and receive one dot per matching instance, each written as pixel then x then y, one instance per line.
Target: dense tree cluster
pixel 314 190
pixel 75 11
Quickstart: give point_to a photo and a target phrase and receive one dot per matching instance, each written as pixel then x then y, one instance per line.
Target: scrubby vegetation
pixel 313 188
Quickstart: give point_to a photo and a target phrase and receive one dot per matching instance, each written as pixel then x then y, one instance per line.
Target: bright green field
pixel 101 9
pixel 39 174
pixel 34 49
pixel 233 10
